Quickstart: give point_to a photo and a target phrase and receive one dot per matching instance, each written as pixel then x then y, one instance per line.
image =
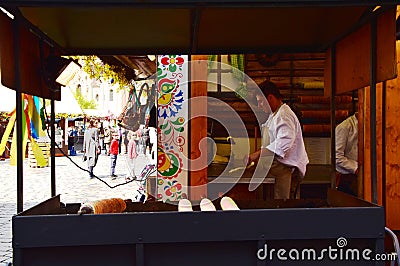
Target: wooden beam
pixel 198 128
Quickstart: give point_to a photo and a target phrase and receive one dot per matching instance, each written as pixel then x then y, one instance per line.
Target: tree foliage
pixel 99 70
pixel 4 116
pixel 83 102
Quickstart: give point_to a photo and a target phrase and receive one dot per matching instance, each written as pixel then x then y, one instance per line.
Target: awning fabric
pixel 133 27
pixel 111 27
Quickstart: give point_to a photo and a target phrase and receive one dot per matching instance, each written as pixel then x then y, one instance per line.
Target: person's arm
pixel 285 129
pixel 84 143
pixel 343 164
pixel 96 140
pixel 252 157
pixel 255 156
pixel 96 136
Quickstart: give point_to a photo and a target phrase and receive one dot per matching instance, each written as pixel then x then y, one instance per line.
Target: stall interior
pixel 300 78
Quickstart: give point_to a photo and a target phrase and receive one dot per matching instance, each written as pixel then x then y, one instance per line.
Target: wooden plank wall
pixel 388 188
pixel 220 111
pixel 290 69
pixel 393 149
pixel 353 71
pixel 300 78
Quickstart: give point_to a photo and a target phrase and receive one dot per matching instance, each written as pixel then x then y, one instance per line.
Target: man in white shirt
pixel 282 142
pixel 347 155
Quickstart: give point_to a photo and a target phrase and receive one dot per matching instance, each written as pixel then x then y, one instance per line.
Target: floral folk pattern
pixel 172 62
pixel 170 97
pixel 169 163
pixel 171 131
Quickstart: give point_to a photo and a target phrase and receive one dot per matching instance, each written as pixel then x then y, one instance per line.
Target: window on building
pixel 97 97
pixel 221 80
pixel 111 95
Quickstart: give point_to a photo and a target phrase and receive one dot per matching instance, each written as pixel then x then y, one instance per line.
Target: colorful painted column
pixel 172 89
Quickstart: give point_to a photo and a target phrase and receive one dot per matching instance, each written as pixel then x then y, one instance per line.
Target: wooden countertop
pixel 316 174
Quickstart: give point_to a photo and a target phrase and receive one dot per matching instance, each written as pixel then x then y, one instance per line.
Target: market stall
pixel 57 234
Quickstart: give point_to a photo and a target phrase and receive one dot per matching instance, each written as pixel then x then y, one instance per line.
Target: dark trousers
pixel 113 162
pixel 91 171
pixel 347 183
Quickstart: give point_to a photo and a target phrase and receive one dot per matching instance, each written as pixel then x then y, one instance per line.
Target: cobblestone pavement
pixel 72 183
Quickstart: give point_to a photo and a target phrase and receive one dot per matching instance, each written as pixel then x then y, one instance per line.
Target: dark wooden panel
pixel 32 81
pixel 325 114
pixel 297 56
pixel 236 129
pixel 288 65
pixel 353 60
pixel 322 99
pixel 286 73
pixel 289 81
pixel 353 54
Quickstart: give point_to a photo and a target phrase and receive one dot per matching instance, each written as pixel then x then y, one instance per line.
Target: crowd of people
pixel 114 140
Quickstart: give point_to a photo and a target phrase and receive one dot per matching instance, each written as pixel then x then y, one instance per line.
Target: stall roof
pixel 109 27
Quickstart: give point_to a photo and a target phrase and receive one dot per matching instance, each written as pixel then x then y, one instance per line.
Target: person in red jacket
pixel 114 146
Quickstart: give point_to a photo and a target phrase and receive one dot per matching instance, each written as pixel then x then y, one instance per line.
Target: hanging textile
pixel 137 108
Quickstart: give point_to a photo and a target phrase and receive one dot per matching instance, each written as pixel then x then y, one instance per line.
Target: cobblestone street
pixel 72 183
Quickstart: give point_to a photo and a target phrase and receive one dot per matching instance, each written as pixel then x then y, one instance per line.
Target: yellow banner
pixel 38 153
pixel 7 132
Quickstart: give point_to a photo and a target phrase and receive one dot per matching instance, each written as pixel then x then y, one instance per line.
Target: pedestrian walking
pixel 126 140
pixel 143 135
pixel 91 146
pixel 132 154
pixel 114 154
pixel 101 135
pixel 120 132
pixel 107 138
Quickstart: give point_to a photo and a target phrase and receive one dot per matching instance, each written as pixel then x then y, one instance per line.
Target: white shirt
pixel 286 139
pixel 153 134
pixel 347 146
pixel 265 135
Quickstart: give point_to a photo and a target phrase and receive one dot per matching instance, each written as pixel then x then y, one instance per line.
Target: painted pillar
pixel 172 91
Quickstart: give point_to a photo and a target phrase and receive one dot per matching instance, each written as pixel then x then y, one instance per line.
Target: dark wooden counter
pixel 314 185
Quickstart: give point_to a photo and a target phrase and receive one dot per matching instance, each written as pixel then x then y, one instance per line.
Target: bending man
pixel 282 142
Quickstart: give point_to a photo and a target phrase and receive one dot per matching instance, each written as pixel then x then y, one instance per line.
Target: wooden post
pixel 198 127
